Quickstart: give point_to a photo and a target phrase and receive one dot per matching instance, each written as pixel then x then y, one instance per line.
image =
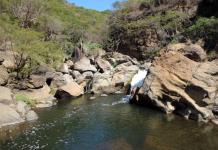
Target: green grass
pixel 25 99
pixel 31 40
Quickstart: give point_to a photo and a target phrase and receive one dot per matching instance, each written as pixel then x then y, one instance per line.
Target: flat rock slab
pixel 69 90
pixel 84 65
pixel 9 116
pixel 5 95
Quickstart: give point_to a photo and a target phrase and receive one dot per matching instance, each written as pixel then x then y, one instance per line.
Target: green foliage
pixel 92 49
pixel 25 99
pixel 53 35
pixel 136 26
pixel 205 29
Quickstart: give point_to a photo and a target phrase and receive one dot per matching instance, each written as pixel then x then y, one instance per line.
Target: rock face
pixel 9 116
pixel 192 51
pixel 102 83
pixel 84 65
pixel 70 90
pixel 9 61
pixel 177 84
pixel 36 82
pixel 103 65
pixel 123 73
pixel 64 68
pixel 5 95
pixel 3 76
pixel 118 58
pixel 117 79
pixel 42 96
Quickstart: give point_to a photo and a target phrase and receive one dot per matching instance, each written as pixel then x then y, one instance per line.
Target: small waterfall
pixel 137 82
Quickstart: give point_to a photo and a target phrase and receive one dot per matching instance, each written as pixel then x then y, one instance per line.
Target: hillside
pixel 141 28
pixel 47 30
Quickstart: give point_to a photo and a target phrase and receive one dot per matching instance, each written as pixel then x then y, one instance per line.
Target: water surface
pixel 104 124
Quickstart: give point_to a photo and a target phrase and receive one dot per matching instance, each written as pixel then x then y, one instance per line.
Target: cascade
pixel 137 82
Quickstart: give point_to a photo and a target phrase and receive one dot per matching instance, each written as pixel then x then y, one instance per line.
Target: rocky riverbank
pixel 181 80
pixel 101 75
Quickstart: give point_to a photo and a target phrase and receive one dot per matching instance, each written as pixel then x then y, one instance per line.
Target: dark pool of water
pixel 88 125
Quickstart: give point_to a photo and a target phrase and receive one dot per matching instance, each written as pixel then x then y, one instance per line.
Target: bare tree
pixel 51 28
pixel 27 11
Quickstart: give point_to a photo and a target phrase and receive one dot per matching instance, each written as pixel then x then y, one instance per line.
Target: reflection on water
pixel 107 123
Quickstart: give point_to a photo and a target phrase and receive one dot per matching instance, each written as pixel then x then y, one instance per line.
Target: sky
pixel 100 5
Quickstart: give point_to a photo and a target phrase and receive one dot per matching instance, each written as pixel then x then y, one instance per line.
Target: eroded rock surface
pixel 84 65
pixel 179 84
pixel 70 90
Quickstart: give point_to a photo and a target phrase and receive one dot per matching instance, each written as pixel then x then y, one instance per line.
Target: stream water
pixel 107 123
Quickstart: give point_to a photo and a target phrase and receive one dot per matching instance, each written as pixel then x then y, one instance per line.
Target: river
pixel 104 124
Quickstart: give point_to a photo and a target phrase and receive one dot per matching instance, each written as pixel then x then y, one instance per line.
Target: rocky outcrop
pixel 5 95
pixel 103 65
pixel 181 85
pixel 70 90
pixel 116 58
pixel 42 97
pixel 36 82
pixel 192 51
pixel 9 61
pixel 13 112
pixel 64 68
pixel 84 65
pixel 115 80
pixel 9 116
pixel 102 83
pixel 123 73
pixel 3 75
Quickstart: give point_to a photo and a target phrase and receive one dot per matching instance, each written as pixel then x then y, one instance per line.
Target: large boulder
pixel 3 76
pixel 36 81
pixel 70 90
pixel 84 65
pixel 179 84
pixel 9 116
pixel 9 60
pixel 5 95
pixel 42 97
pixel 123 74
pixel 192 51
pixel 59 79
pixel 102 83
pixel 116 58
pixel 16 113
pixel 115 80
pixel 103 65
pixel 64 68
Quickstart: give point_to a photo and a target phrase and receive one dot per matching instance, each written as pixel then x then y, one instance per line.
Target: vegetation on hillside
pixel 47 30
pixel 141 28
